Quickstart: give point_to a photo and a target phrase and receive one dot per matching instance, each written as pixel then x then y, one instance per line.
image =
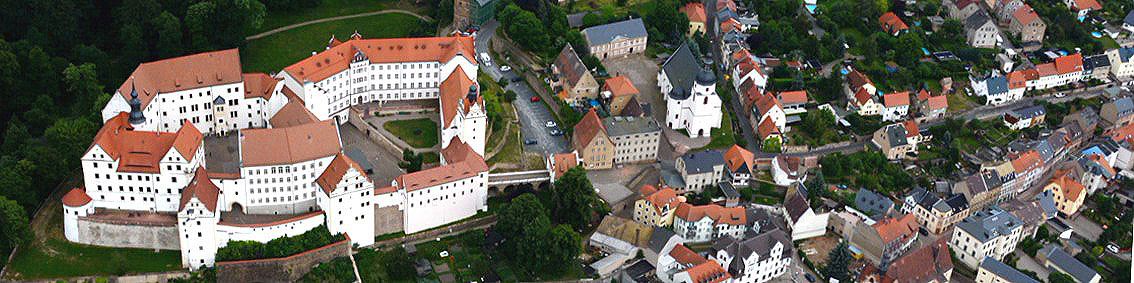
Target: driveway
pixel 377 155
pixel 532 115
pixel 1084 227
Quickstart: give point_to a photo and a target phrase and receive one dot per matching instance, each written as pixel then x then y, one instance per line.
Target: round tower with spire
pixel 136 116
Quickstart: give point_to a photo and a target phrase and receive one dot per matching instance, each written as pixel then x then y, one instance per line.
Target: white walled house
pixel 441 195
pixel 754 260
pixel 703 223
pixel 897 106
pixel 989 233
pixel 804 222
pixel 197 222
pixel 691 98
pixel 701 170
pixel 345 189
pixel 1122 60
pixel 861 95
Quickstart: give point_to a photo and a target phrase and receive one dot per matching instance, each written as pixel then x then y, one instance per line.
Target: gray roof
pixel 681 67
pixel 997 84
pixel 576 20
pixel 598 35
pixel 977 20
pixel 1125 54
pixel 796 205
pixel 956 203
pixel 896 133
pixel 1124 106
pixel 728 190
pixel 871 203
pixel 1046 201
pixel 701 162
pixel 659 238
pixel 1081 272
pixel 1030 213
pixel 1044 149
pixel 760 245
pixel 1027 112
pixel 989 224
pixel 1096 61
pixel 621 126
pixel 751 21
pixel 1004 271
pixel 1129 18
pixel 639 270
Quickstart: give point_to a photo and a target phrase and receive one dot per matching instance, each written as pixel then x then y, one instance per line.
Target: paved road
pixel 288 27
pixel 532 115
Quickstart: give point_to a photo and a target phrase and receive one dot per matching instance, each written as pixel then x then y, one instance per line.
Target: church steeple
pixel 136 116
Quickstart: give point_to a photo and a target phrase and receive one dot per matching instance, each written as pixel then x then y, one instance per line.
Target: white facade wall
pixel 896 113
pixel 704 230
pixel 350 209
pixel 1117 67
pixel 158 192
pixel 167 111
pixel 445 203
pixel 698 114
pixel 197 227
pixel 972 251
pixel 636 147
pixel 71 220
pixel 265 233
pixel 277 189
pixel 757 268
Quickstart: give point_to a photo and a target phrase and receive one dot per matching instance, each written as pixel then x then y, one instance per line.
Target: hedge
pixel 279 247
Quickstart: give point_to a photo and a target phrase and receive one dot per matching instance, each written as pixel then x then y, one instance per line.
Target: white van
pixel 484 59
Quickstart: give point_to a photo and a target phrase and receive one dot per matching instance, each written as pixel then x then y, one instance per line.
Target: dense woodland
pixel 61 59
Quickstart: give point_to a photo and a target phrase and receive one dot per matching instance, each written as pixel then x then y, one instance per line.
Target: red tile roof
pixel 861 97
pixel 1123 134
pixel 939 102
pixel 1017 79
pixel 897 99
pixel 259 85
pixel 1025 15
pixel 749 93
pixel 911 128
pixel 564 162
pixel 587 129
pixel 182 73
pixel 1026 162
pixel 857 80
pixel 201 188
pixel 926 264
pixel 459 167
pixel 923 95
pixel 391 50
pixel 685 256
pixel 1045 70
pixel 897 229
pixel 455 96
pixel 891 23
pixel 730 25
pixel 279 146
pixel 335 172
pixel 76 197
pixel 708 272
pixel 1086 5
pixel 1069 64
pixel 736 157
pixel 726 4
pixel 767 129
pixel 695 12
pixel 141 152
pixel 766 103
pixel 1067 184
pixel 620 86
pixel 661 198
pixel 720 215
pixel 793 97
pixel 292 114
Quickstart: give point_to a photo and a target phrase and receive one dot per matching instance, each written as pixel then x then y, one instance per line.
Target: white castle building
pixel 691 97
pixel 286 161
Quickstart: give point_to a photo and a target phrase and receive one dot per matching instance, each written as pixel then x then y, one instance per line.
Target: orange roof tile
pixel 708 272
pixel 1069 64
pixel 620 86
pixel 385 190
pixel 564 162
pixel 587 129
pixel 455 96
pixel 923 95
pixel 891 23
pixel 1045 70
pixel 391 50
pixel 891 229
pixel 939 102
pixel 897 99
pixel 720 215
pixel 182 73
pixel 278 146
pixel 259 85
pixel 793 97
pixel 694 11
pixel 1026 162
pixel 766 103
pixel 726 4
pixel 335 172
pixel 749 93
pixel 685 256
pixel 201 188
pixel 737 157
pixel 468 165
pixel 141 152
pixel 857 80
pixel 911 128
pixel 1025 15
pixel 1086 5
pixel 862 96
pixel 76 197
pixel 292 114
pixel 1123 134
pixel 1017 79
pixel 1067 185
pixel 767 129
pixel 730 25
pixel 660 198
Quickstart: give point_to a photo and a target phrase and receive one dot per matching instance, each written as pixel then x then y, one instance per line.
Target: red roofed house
pixel 932 107
pixel 1027 24
pixel 656 206
pixel 561 162
pixel 344 187
pixel 747 70
pixel 1082 7
pixel 703 223
pixel 861 91
pixel 893 25
pixel 683 265
pixel 962 9
pixel 1029 167
pixel 897 105
pixel 1063 71
pixel 76 203
pixel 793 102
pixel 767 108
pixel 1069 193
pixel 931 263
pixel 741 165
pixel 619 91
pixel 696 14
pixel 594 146
pixel 885 240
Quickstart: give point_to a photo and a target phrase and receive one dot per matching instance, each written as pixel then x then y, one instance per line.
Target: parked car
pixel 1112 248
pixel 505 68
pixel 529 142
pixel 556 132
pixel 809 277
pixel 550 124
pixel 484 59
pixel 535 99
pixel 517 79
pixel 1060 94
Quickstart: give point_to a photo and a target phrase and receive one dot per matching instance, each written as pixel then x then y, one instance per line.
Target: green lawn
pixel 512 150
pixel 958 102
pixel 272 53
pixel 468 261
pixel 55 257
pixel 419 133
pixel 430 157
pixel 329 8
pixel 723 137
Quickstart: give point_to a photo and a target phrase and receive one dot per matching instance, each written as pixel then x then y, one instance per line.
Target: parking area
pixel 384 160
pixel 643 72
pixel 1084 227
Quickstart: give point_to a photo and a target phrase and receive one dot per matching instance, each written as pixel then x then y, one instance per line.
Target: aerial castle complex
pixel 150 180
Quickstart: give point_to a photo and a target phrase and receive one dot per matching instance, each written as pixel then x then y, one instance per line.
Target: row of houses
pixel 1116 64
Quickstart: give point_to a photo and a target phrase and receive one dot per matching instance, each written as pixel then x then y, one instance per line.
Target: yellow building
pixel 594 146
pixel 1069 194
pixel 696 14
pixel 656 206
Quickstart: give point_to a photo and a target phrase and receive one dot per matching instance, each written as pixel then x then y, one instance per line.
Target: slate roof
pixel 1097 61
pixel 796 205
pixel 896 134
pixel 659 238
pixel 1124 107
pixel 1072 266
pixel 621 126
pixel 1004 271
pixel 1129 20
pixel 701 162
pixel 681 68
pixel 760 245
pixel 871 203
pixel 598 35
pixel 997 85
pixel 571 67
pixel 989 224
pixel 1028 112
pixel 976 20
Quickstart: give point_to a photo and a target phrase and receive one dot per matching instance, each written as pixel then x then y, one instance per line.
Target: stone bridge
pixel 533 177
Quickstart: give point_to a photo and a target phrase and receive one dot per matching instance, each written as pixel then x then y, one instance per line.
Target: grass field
pixel 723 137
pixel 51 256
pixel 332 8
pixel 272 53
pixel 419 133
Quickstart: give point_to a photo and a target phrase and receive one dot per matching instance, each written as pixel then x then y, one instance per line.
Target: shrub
pixel 279 247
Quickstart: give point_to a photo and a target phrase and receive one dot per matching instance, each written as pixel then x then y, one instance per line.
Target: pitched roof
pixel 761 245
pixel 1070 188
pixel 767 128
pixel 76 197
pixel 1026 162
pixel 766 103
pixel 681 68
pixel 259 85
pixel 292 114
pixel 459 167
pixel 458 95
pixel 1025 15
pixel 857 80
pixel 628 29
pixel 564 162
pixel 278 146
pixel 891 23
pixel 904 229
pixel 793 97
pixel 702 162
pixel 683 255
pixel 201 188
pixel 1129 19
pixel 619 86
pixel 977 20
pixel 389 50
pixel 719 214
pixel 140 151
pixel 862 96
pixel 1017 79
pixel 989 224
pixel 694 11
pixel 922 265
pixel 1080 5
pixel 570 66
pixel 871 203
pixel 1081 272
pixel 1028 112
pixel 738 159
pixel 939 102
pixel 1069 64
pixel 796 205
pixel 182 73
pixel 335 172
pixel 897 99
pixel 661 198
pixel 587 129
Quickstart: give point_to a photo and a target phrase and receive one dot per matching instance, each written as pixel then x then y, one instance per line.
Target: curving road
pixel 323 20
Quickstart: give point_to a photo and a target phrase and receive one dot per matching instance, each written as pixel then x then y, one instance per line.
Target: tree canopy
pixel 573 201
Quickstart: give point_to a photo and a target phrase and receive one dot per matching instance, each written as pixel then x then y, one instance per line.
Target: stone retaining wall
pixel 125 235
pixel 284 269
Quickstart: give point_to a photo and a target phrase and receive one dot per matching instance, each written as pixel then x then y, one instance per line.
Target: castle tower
pixel 76 203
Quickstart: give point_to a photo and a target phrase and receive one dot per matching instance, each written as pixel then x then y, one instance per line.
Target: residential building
pixel 932 107
pixel 988 233
pixel 787 171
pixel 793 102
pixel 930 264
pixel 1057 260
pixel 1081 7
pixel 571 80
pixel 982 188
pixel 591 141
pixel 1029 167
pixel 1069 194
pixel 885 241
pixel 872 204
pixel 1122 61
pixel 1024 117
pixel 697 17
pixel 1063 71
pixel 754 260
pixel 898 141
pixel 1026 24
pixel 767 109
pixel 616 39
pixel 861 92
pixel 804 222
pixel 1096 67
pixel 700 170
pixel 561 162
pixel 980 31
pixel 934 213
pixel 994 271
pixel 747 71
pixel 962 9
pixel 682 265
pixel 635 139
pixel 897 105
pixel 656 206
pixel 741 166
pixel 997 90
pixel 691 96
pixel 618 93
pixel 701 223
pixel 892 25
pixel 1118 113
pixel 1006 8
